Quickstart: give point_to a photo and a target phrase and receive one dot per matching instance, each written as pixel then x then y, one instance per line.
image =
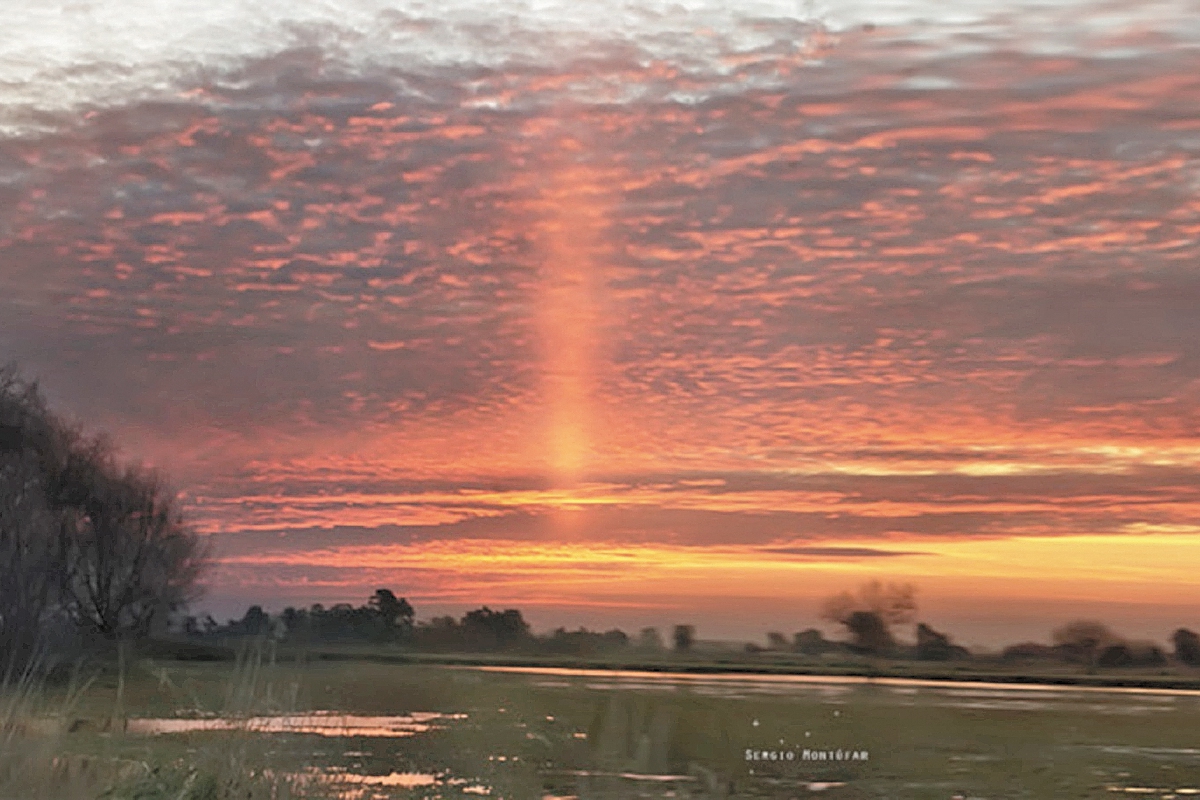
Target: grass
pixel 529 736
pixel 65 740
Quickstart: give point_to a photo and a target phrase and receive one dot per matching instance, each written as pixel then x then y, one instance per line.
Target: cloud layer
pixel 837 295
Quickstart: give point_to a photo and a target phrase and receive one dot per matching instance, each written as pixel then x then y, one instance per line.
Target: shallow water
pixel 522 733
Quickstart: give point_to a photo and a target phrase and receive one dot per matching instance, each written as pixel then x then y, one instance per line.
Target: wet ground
pixel 437 732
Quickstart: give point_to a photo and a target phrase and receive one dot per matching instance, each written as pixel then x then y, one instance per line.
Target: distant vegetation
pixel 869 615
pixel 1092 644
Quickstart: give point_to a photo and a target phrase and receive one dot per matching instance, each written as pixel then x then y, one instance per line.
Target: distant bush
pixel 481 630
pixel 934 646
pixel 582 642
pixel 1187 647
pixel 1082 641
pixel 1136 654
pixel 685 637
pixel 1030 651
pixel 812 642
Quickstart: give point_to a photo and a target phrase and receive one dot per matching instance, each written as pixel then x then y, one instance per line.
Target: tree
pixel 394 613
pixel 131 556
pixel 488 630
pixel 685 637
pixel 870 632
pixel 812 642
pixel 869 614
pixel 31 541
pixel 30 560
pixel 80 535
pixel 776 641
pixel 1187 647
pixel 256 622
pixel 1083 640
pixel 934 646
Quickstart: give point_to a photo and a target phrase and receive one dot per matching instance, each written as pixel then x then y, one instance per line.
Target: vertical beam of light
pixel 571 237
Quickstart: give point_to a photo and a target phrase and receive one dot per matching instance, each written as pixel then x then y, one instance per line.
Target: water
pixel 522 733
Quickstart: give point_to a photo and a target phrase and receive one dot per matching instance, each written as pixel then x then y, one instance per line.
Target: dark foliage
pixel 776 641
pixel 869 614
pixel 481 630
pixel 1082 641
pixel 812 642
pixel 870 634
pixel 934 646
pixel 1029 651
pixel 582 642
pixel 685 637
pixel 85 543
pixel 1187 647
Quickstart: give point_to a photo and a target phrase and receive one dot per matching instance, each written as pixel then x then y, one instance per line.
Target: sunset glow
pixel 650 316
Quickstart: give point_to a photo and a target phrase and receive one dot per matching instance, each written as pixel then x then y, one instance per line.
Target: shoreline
pixel 1054 675
pixel 889 673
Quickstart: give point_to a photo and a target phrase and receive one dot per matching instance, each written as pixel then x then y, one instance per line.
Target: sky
pixel 632 313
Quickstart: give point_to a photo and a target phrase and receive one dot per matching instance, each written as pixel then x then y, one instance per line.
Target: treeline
pixel 1092 644
pixel 91 550
pixel 385 618
pixel 869 616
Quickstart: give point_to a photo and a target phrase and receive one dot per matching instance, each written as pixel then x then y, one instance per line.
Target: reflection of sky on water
pixel 388 286
pixel 516 736
pixel 330 724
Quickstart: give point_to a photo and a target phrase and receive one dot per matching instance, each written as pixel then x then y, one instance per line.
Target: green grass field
pixel 437 730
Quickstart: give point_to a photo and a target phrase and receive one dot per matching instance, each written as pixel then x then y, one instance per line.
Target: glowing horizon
pixel 624 313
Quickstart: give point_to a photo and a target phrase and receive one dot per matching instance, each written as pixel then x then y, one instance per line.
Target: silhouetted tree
pixel 685 637
pixel 869 632
pixel 255 622
pixel 583 642
pixel 130 555
pixel 395 614
pixel 934 646
pixel 869 614
pixel 79 534
pixel 1187 647
pixel 1082 640
pixel 1130 654
pixel 812 642
pixel 490 630
pixel 776 641
pixel 31 559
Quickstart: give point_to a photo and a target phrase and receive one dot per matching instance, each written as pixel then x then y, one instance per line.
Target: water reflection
pixel 319 723
pixel 577 734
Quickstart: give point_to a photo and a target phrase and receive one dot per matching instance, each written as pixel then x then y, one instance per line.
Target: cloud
pixel 629 301
pixel 841 552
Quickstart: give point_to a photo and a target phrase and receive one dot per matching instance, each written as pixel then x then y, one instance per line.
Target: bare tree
pixel 30 559
pixel 79 534
pixel 869 614
pixel 131 557
pixel 31 553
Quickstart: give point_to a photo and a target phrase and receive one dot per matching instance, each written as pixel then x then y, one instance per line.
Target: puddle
pixel 629 776
pixel 331 724
pixel 1164 791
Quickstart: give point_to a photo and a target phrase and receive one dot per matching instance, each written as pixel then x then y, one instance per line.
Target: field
pixel 366 729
